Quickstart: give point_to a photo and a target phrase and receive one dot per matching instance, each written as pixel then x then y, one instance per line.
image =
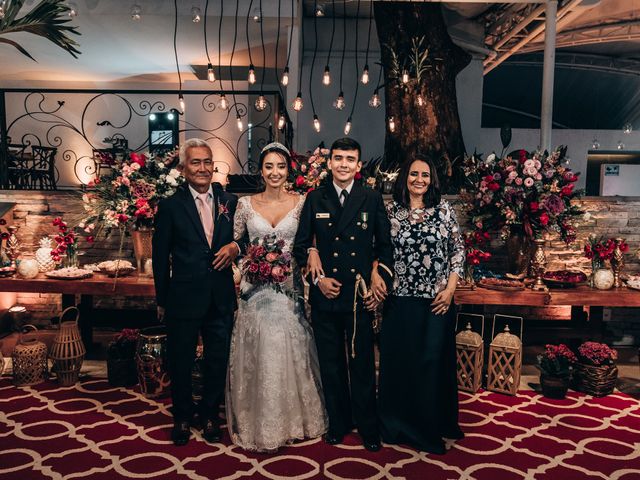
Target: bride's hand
pixel 225 256
pixel 314 265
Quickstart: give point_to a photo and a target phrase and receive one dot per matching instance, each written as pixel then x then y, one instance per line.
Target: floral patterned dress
pixel 418 398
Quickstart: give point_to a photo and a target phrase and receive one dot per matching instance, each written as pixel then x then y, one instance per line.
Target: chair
pixel 104 159
pixel 18 169
pixel 43 167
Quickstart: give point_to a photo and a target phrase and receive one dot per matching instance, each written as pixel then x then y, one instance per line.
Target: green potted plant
pixel 121 365
pixel 555 365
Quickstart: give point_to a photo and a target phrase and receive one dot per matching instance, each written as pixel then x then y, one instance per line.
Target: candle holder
pixel 13 245
pixel 617 263
pixel 538 264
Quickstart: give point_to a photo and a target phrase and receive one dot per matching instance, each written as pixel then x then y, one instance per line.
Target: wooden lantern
pixel 67 351
pixel 505 359
pixel 469 356
pixel 29 360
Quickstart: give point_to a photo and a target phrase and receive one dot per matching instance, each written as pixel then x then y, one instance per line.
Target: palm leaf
pixel 48 19
pixel 18 46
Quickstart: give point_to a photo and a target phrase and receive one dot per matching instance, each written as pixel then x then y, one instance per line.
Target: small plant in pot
pixel 121 365
pixel 596 372
pixel 555 365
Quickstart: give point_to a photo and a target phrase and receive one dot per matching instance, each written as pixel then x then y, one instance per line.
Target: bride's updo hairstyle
pixel 273 147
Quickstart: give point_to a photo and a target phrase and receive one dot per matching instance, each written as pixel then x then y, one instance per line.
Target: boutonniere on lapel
pixel 223 209
pixel 364 216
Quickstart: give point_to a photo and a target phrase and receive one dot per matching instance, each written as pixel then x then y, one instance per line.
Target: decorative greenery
pixel 557 360
pixel 47 19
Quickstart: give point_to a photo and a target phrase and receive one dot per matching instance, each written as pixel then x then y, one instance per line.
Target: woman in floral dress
pixel 418 398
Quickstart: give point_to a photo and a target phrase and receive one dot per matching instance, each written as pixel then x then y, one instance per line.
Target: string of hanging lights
pixel 261 102
pixel 285 73
pixel 339 103
pixel 365 71
pixel 223 103
pixel 251 77
pixel 210 74
pixel 326 77
pixel 297 103
pixel 239 122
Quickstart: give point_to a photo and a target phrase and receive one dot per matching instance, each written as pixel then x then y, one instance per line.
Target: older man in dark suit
pixel 193 250
pixel 344 232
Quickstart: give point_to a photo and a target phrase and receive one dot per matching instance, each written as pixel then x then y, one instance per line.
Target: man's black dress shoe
pixel 372 443
pixel 333 438
pixel 180 433
pixel 211 431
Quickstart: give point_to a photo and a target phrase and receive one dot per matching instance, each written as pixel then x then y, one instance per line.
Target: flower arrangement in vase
pixel 599 250
pixel 474 254
pixel 121 365
pixel 555 365
pixel 66 250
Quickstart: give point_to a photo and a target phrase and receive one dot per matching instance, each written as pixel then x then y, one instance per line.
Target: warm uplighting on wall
pixel 326 77
pixel 297 103
pixel 211 76
pixel 316 123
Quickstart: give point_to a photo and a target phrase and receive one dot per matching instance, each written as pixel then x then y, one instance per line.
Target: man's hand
pixel 378 287
pixel 330 287
pixel 160 311
pixel 314 265
pixel 371 303
pixel 225 256
pixel 442 302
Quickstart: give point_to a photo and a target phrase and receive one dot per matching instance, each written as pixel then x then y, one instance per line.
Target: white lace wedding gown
pixel 274 395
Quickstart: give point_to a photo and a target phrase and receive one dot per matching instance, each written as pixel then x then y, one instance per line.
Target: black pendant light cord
pixel 264 53
pixel 233 52
pixel 355 95
pixel 175 45
pixel 219 44
pixel 313 61
pixel 206 45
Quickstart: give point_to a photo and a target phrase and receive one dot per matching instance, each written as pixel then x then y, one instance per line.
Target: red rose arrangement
pixel 265 262
pixel 307 171
pixel 599 249
pixel 594 353
pixel 66 240
pixel 525 193
pixel 556 360
pixel 476 255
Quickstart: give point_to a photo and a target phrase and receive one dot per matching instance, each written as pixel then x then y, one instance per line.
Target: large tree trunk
pixel 433 127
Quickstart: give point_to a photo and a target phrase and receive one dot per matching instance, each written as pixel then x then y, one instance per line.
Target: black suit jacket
pixel 348 239
pixel 185 282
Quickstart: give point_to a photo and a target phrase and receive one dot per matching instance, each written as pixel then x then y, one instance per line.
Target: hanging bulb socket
pixel 285 77
pixel 392 124
pixel 72 10
pixel 365 75
pixel 223 103
pixel 347 127
pixel 261 103
pixel 316 123
pixel 281 121
pixel 181 101
pixel 326 77
pixel 136 12
pixel 405 77
pixel 297 103
pixel 210 75
pixel 239 122
pixel 196 15
pixel 374 101
pixel 252 74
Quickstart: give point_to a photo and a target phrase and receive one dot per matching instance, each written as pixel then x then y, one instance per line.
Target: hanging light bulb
pixel 223 104
pixel 420 100
pixel 627 128
pixel 136 12
pixel 374 101
pixel 339 104
pixel 405 77
pixel 365 75
pixel 261 103
pixel 620 146
pixel 326 77
pixel 73 10
pixel 281 121
pixel 595 145
pixel 316 123
pixel 285 77
pixel 297 103
pixel 319 11
pixel 196 15
pixel 239 122
pixel 210 75
pixel 181 101
pixel 392 124
pixel 252 74
pixel 347 127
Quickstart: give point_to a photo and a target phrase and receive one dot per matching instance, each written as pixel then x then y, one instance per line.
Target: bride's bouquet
pixel 266 263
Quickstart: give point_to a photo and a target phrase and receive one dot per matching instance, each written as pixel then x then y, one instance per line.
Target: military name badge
pixel 364 216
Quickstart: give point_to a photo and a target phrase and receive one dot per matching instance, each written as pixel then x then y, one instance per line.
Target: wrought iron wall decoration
pixel 81 128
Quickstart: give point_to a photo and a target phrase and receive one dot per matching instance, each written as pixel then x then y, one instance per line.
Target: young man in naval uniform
pixel 343 230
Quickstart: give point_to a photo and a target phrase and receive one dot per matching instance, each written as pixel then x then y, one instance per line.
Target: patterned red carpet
pixel 96 432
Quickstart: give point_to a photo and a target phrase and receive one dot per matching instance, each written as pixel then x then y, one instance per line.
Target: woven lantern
pixel 469 356
pixel 505 360
pixel 67 351
pixel 29 359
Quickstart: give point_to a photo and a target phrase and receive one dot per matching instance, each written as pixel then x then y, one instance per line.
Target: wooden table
pixel 99 284
pixel 579 297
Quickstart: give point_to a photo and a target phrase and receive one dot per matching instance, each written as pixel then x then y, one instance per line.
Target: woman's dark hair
pixel 431 198
pixel 346 144
pixel 263 154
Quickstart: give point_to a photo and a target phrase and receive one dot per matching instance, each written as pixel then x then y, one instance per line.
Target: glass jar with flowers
pixel 121 365
pixel 555 365
pixel 524 194
pixel 474 254
pixel 595 371
pixel 66 250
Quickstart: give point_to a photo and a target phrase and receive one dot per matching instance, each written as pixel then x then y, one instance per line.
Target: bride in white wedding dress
pixel 274 395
